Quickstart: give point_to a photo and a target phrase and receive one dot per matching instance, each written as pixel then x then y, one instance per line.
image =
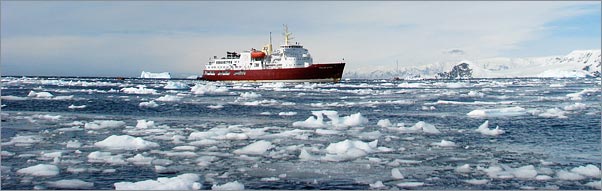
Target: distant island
pixel 578 63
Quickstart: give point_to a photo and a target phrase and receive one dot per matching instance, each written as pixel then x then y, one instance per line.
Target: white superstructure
pixel 286 56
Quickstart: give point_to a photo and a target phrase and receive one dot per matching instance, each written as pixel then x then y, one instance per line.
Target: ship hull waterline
pixel 331 72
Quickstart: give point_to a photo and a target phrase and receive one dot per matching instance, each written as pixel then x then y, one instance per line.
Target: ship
pixel 289 63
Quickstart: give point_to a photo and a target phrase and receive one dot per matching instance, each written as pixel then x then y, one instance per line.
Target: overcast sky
pixel 95 38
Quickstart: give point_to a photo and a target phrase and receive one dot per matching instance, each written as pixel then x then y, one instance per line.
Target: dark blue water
pixel 566 140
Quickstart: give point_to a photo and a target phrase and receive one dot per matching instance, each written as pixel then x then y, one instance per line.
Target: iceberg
pixel 161 75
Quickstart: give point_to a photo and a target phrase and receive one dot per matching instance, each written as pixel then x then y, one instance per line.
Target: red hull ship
pixel 289 63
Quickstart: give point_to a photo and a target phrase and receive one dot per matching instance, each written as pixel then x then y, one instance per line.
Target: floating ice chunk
pixel 579 95
pixel 105 157
pixel 139 159
pixel 427 128
pixel 384 123
pixel 588 170
pixel 24 140
pixel 595 184
pixel 39 94
pixel 410 184
pixel 103 124
pixel 525 172
pixel 463 169
pixel 476 181
pixel 6 153
pixel 168 98
pixel 218 106
pixel 291 113
pixel 336 121
pixel 256 148
pixel 566 175
pixel 576 106
pixel 140 90
pixel 13 98
pixel 396 174
pixel 444 143
pixel 76 106
pixel 171 85
pixel 306 156
pixel 48 117
pixel 378 185
pixel 327 132
pixel 40 170
pixel 250 95
pixel 143 124
pixel 149 104
pixel 185 148
pixel 557 85
pixel 125 142
pixel 500 112
pixel 553 113
pixel 425 108
pixel 70 184
pixel 201 89
pixel 475 94
pixel 186 181
pixel 543 177
pixel 265 113
pixel 229 186
pixel 484 129
pixel 349 150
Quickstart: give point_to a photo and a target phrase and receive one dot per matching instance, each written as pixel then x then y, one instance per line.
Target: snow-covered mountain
pixel 578 63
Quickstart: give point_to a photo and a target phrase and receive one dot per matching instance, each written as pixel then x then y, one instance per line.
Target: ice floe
pixel 70 184
pixel 39 94
pixel 201 89
pixel 396 174
pixel 588 170
pixel 149 104
pixel 256 148
pixel 229 186
pixel 186 181
pixel 410 184
pixel 444 143
pixel 463 169
pixel 290 113
pixel 140 90
pixel 577 96
pixel 575 107
pixel 349 150
pixel 40 170
pixel 250 95
pixel 106 157
pixel 484 129
pixel 103 124
pixel 336 121
pixel 171 85
pixel 169 98
pixel 553 113
pixel 125 142
pixel 498 112
pixel 76 106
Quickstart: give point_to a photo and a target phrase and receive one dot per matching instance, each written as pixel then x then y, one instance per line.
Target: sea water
pixel 103 133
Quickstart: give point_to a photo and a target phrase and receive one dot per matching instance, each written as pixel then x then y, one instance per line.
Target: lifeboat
pixel 257 55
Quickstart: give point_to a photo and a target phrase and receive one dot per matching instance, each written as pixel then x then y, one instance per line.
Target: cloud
pixel 124 38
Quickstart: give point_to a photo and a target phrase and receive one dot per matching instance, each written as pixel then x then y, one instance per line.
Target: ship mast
pixel 287 35
pixel 270 45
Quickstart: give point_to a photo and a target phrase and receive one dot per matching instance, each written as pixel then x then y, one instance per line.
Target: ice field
pixel 102 133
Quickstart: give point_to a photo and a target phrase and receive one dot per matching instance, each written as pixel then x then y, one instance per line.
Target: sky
pixel 123 38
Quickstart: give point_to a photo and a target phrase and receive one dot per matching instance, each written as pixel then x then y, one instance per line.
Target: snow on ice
pixel 209 88
pixel 499 112
pixel 70 184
